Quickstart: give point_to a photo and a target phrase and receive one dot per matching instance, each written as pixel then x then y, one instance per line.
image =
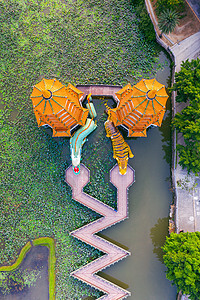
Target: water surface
pixel 36 258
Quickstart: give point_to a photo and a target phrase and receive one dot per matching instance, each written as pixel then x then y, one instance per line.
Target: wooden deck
pixel 110 217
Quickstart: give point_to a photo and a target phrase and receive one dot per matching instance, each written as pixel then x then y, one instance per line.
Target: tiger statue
pixel 121 150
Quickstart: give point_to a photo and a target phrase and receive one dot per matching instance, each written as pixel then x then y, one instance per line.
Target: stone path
pixel 110 217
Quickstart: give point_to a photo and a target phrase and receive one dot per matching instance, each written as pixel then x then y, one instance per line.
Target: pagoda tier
pixel 58 106
pixel 140 106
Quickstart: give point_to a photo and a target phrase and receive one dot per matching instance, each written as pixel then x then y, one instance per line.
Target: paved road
pixel 110 217
pixel 195 4
pixel 186 49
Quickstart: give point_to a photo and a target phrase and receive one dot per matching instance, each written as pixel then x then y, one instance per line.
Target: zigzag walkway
pixel 110 217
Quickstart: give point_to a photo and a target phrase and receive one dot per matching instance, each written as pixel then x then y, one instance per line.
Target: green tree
pixel 167 20
pixel 182 259
pixel 188 121
pixel 187 81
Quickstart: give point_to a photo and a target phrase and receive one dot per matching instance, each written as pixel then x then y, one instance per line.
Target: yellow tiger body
pixel 121 150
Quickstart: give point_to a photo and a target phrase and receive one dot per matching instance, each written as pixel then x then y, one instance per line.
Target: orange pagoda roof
pixel 140 106
pixel 58 106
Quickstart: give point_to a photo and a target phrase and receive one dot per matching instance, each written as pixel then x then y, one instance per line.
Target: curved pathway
pixel 110 217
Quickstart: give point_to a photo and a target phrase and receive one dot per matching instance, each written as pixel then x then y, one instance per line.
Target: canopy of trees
pixel 188 121
pixel 182 259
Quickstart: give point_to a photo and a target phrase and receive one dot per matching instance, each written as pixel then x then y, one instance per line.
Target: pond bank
pixel 44 242
pixel 36 259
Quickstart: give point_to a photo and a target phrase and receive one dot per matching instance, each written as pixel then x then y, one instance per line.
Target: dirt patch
pixel 188 26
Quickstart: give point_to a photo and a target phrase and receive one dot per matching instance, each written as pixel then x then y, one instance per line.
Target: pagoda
pixel 58 106
pixel 140 106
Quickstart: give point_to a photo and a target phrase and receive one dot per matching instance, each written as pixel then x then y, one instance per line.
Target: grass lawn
pixel 80 42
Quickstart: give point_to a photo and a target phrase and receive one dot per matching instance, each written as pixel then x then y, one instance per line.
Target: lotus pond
pixel 80 42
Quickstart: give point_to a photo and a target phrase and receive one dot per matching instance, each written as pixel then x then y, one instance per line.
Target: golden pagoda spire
pixel 46 94
pixel 151 94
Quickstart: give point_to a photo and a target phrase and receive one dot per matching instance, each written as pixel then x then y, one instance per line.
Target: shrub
pixel 10 282
pixel 167 20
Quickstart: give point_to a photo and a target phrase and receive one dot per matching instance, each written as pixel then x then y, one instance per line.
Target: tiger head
pixel 122 163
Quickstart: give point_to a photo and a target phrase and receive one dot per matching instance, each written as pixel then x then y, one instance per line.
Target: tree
pixel 187 81
pixel 187 121
pixel 167 20
pixel 182 259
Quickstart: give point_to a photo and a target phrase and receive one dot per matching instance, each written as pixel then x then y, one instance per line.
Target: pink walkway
pixel 99 90
pixel 110 217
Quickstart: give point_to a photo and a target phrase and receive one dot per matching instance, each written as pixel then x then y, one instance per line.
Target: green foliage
pixel 10 282
pixel 187 81
pixel 175 2
pixel 188 121
pixel 177 5
pixel 167 20
pixel 17 280
pixel 31 276
pixel 182 259
pixel 145 24
pixel 189 157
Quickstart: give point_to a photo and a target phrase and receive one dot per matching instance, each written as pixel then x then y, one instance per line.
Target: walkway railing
pixel 110 217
